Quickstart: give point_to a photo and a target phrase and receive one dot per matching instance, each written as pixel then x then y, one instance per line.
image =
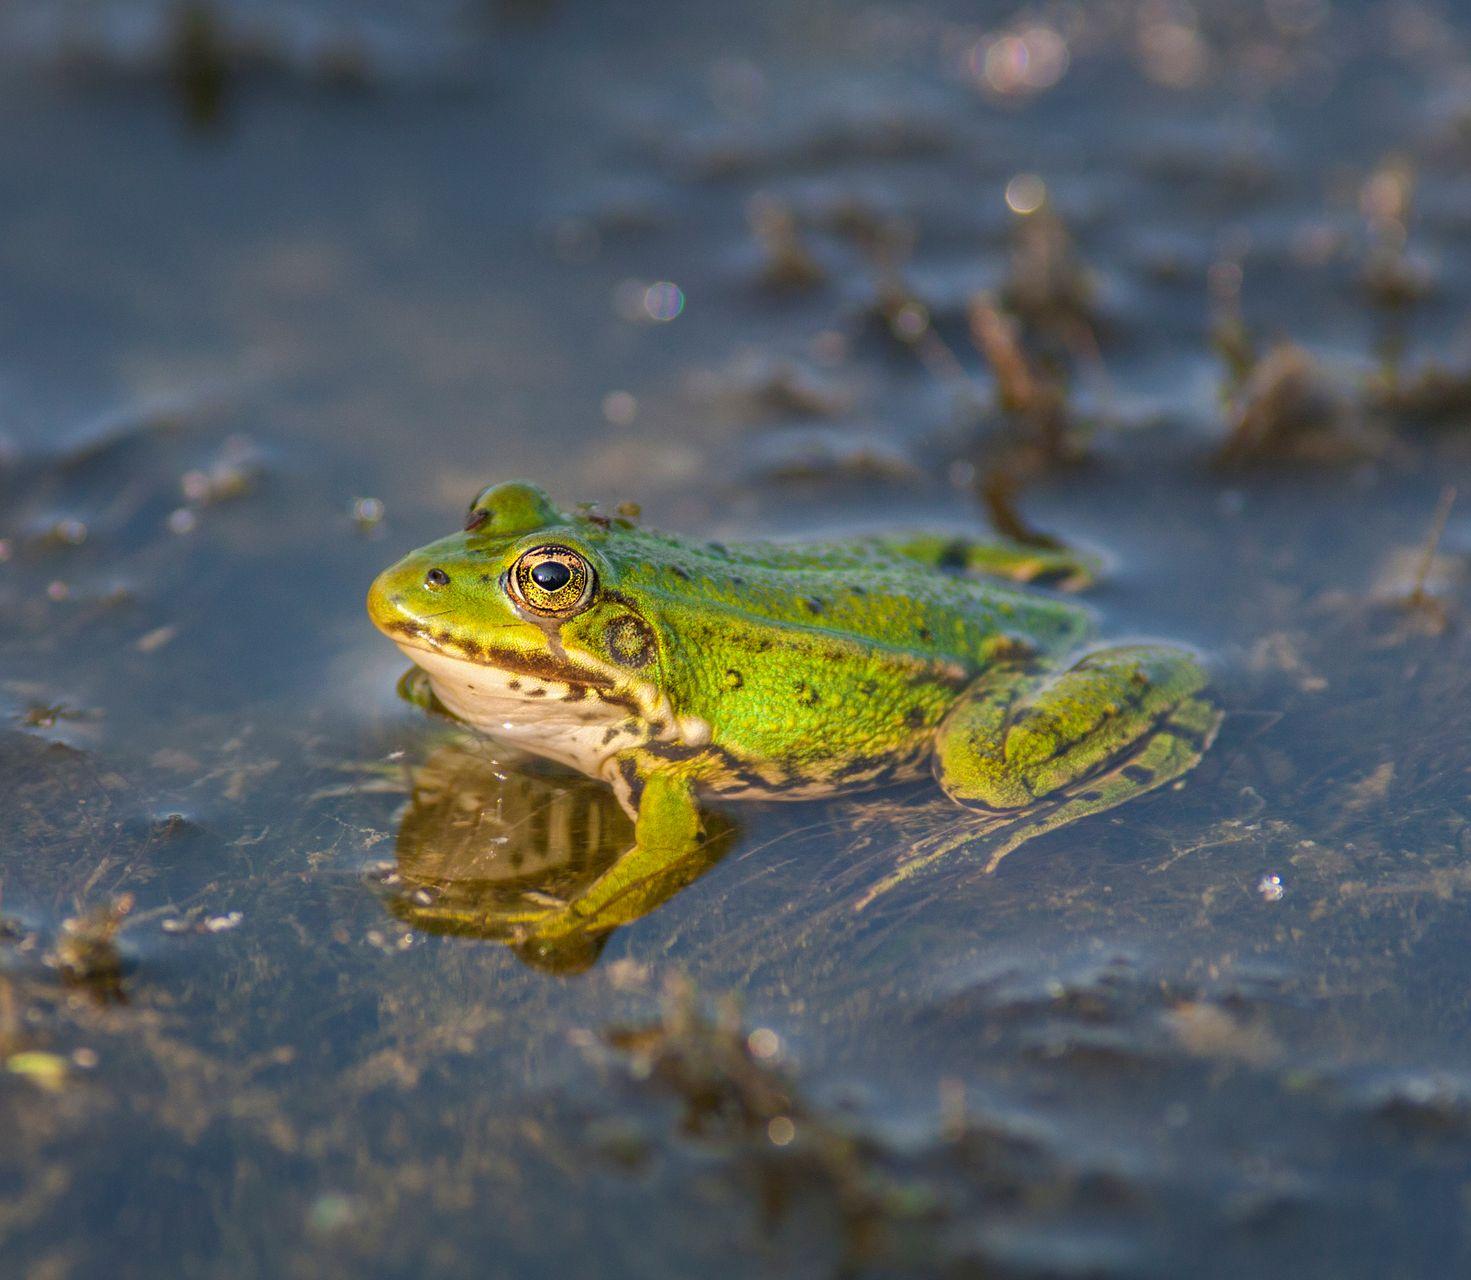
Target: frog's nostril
pixel 435 579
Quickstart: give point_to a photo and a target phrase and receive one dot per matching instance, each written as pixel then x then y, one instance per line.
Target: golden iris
pixel 553 581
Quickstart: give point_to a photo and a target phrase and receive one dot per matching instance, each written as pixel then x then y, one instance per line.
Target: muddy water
pixel 262 267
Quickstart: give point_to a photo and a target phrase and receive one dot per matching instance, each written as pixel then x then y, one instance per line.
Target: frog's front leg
pixel 668 853
pixel 1055 748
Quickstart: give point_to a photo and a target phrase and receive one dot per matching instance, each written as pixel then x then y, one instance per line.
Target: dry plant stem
pixel 1021 392
pixel 999 491
pixel 1419 597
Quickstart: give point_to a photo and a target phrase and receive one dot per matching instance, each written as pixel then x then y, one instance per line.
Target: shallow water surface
pixel 286 286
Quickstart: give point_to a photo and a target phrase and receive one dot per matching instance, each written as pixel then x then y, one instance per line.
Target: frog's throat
pixel 579 712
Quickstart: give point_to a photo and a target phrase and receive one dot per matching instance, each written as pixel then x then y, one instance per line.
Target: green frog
pixel 676 669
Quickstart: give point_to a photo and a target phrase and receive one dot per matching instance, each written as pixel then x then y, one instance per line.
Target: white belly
pixel 537 715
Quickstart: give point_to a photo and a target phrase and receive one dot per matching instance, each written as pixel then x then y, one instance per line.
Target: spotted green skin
pixel 777 671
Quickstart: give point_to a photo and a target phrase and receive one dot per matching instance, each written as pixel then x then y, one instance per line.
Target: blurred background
pixel 282 286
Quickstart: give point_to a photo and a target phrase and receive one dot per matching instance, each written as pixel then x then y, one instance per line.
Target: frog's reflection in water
pixel 498 846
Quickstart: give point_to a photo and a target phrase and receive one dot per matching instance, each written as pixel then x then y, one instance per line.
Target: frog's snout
pixel 399 595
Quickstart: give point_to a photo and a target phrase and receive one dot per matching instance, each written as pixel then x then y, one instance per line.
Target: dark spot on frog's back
pixel 679 571
pixel 815 604
pixel 806 694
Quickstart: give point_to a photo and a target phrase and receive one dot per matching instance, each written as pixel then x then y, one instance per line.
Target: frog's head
pixel 522 599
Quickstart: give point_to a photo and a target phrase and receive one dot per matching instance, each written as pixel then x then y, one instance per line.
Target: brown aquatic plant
pixel 1436 395
pixel 1048 287
pixel 1037 403
pixel 788 263
pixel 1288 409
pixel 735 1088
pixel 87 955
pixel 200 67
pixel 1393 278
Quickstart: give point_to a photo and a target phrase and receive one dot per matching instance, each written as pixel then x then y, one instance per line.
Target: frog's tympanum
pixel 675 669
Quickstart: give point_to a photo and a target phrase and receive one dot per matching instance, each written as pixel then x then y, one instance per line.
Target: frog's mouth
pixel 417 639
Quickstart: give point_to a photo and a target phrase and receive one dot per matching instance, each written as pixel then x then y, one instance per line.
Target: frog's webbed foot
pixel 1033 753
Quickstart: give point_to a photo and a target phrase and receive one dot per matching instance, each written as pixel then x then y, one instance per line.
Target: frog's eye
pixel 553 581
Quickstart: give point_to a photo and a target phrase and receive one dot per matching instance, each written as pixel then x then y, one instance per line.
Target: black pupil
pixel 551 575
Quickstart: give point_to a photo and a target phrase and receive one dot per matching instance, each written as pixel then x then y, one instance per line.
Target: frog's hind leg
pixel 1002 558
pixel 1172 749
pixel 1033 753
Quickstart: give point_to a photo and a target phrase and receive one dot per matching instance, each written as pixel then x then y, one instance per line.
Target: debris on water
pixel 621 1141
pixel 1419 597
pixel 45 715
pixel 333 1211
pixel 68 532
pixel 1230 336
pixel 389 943
pixel 232 473
pixel 1428 1100
pixel 1414 585
pixel 1436 395
pixel 367 514
pixel 87 954
pixel 737 1090
pixel 1207 1030
pixel 787 262
pixel 1371 790
pixel 758 386
pixel 48 1071
pixel 1270 888
pixel 152 641
pixel 1393 278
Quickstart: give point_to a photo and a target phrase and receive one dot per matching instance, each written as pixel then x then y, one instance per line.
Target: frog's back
pixel 846 589
pixel 823 668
